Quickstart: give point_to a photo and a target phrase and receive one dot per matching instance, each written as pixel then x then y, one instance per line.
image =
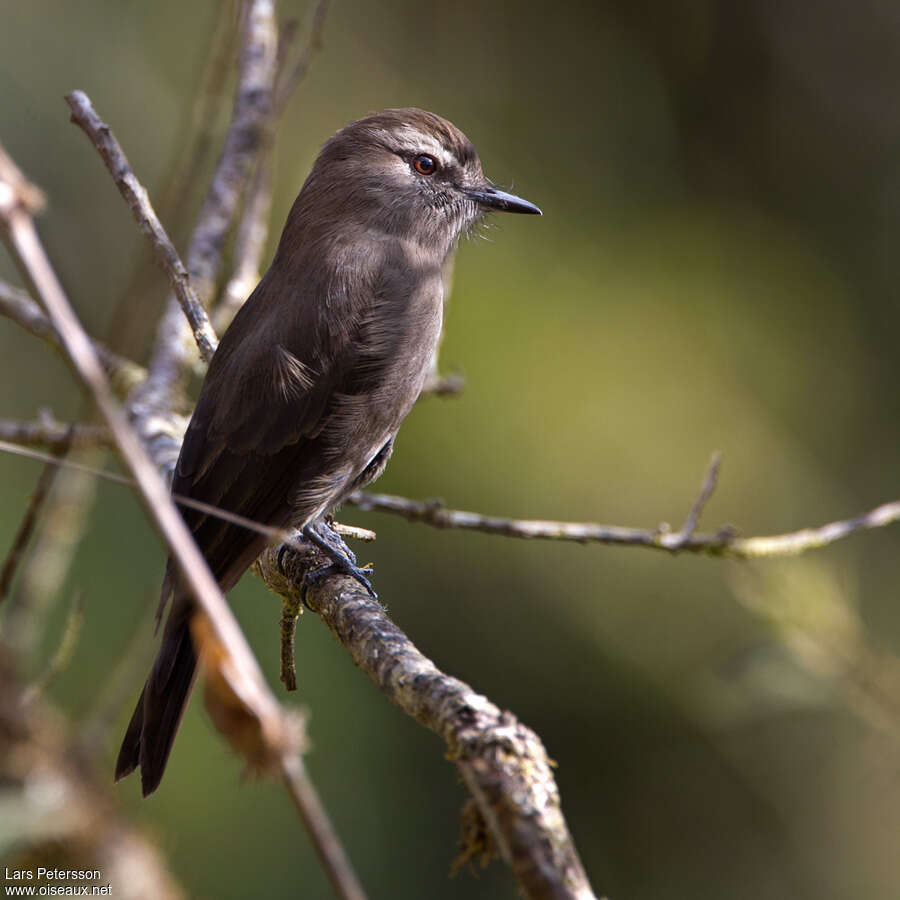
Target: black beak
pixel 494 198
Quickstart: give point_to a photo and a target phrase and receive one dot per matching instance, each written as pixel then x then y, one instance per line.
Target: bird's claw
pixel 343 561
pixel 342 567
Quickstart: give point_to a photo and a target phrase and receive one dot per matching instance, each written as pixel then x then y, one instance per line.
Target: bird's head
pixel 409 173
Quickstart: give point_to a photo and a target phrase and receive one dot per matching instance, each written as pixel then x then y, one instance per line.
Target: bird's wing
pixel 251 439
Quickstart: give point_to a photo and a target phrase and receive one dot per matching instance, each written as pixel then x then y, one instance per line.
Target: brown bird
pixel 309 385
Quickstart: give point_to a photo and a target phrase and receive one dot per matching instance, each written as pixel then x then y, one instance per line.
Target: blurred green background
pixel 716 268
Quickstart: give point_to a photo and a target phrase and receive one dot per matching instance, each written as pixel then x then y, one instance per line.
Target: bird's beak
pixel 493 198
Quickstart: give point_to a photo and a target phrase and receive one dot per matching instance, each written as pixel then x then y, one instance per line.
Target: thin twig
pixel 63 655
pixel 290 79
pixel 723 543
pixel 28 252
pixel 16 305
pixel 135 195
pixel 186 171
pixel 443 385
pixel 331 852
pixel 706 491
pixel 253 229
pixel 173 353
pixel 47 432
pixel 249 244
pixel 234 679
pixel 121 683
pixel 279 535
pixel 204 114
pixel 29 520
pixel 54 807
pixel 290 613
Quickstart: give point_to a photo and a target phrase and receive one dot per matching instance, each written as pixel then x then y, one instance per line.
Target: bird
pixel 320 366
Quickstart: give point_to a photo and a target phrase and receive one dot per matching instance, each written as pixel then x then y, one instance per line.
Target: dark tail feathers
pixel 151 732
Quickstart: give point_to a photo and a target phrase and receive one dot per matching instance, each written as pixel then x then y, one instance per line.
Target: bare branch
pixel 443 385
pixel 29 520
pixel 502 763
pixel 173 351
pixel 16 305
pixel 138 200
pixel 290 79
pixel 60 812
pixel 253 229
pixel 723 543
pixel 249 244
pixel 706 491
pixel 237 695
pixel 47 432
pixel 63 655
pixel 331 852
pixel 28 252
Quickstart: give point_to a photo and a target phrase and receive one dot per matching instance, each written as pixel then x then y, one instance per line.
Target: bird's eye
pixel 425 164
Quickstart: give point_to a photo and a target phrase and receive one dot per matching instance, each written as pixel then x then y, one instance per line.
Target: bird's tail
pixel 151 732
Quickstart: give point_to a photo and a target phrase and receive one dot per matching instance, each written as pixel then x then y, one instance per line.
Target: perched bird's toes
pixel 342 567
pixel 279 558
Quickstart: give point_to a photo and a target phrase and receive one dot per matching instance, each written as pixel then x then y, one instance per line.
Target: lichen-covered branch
pixel 502 763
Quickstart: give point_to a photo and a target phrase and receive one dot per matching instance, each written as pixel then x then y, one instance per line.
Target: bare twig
pixel 723 543
pixel 47 432
pixel 29 520
pixel 706 491
pixel 502 763
pixel 26 248
pixel 63 655
pixel 52 808
pixel 173 352
pixel 443 385
pixel 121 683
pixel 53 548
pixel 185 173
pixel 135 195
pixel 290 613
pixel 204 113
pixel 16 305
pixel 281 535
pixel 290 79
pixel 249 245
pixel 236 691
pixel 253 229
pixel 331 852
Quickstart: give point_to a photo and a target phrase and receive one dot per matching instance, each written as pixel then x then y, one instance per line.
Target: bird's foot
pixel 343 561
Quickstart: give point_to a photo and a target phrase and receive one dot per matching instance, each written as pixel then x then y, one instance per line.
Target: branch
pixel 135 195
pixel 253 229
pixel 443 385
pixel 16 305
pixel 723 543
pixel 238 697
pixel 174 352
pixel 29 520
pixel 289 80
pixel 502 763
pixel 60 813
pixel 47 432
